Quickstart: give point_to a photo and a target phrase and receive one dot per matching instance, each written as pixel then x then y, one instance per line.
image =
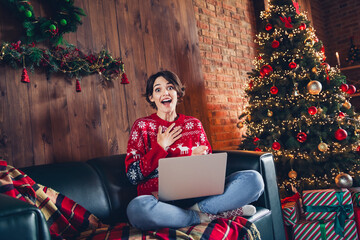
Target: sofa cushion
pixel 120 191
pixel 76 180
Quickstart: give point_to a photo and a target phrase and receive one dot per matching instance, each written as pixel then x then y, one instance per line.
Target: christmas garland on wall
pixel 66 59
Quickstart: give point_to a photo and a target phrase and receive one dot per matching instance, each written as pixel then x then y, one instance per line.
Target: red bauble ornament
pixel 341 134
pixel 302 26
pixel 24 76
pixel 77 85
pixel 344 87
pixel 265 70
pixel 312 110
pixel 268 27
pixel 276 146
pixel 351 90
pixel 257 149
pixel 274 90
pixel 275 44
pixel 124 79
pixel 251 84
pixel 301 137
pixel 292 65
pixel 255 140
pixel 341 115
pixel 358 149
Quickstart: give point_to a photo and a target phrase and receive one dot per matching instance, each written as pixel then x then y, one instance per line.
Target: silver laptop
pixel 191 176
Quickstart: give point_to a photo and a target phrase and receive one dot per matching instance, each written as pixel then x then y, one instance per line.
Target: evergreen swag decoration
pixel 68 59
pixel 65 18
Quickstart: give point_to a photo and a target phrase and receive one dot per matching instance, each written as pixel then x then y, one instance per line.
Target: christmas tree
pixel 354 53
pixel 299 106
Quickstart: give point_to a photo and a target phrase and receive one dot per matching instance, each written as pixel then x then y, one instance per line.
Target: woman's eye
pixel 170 88
pixel 157 90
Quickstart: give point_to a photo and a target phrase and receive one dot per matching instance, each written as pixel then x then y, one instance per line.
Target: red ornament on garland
pixel 344 87
pixel 255 140
pixel 312 110
pixel 292 65
pixel 77 85
pixel 274 90
pixel 275 44
pixel 124 79
pixel 257 149
pixel 351 90
pixel 268 27
pixel 341 134
pixel 302 26
pixel 24 76
pixel 301 137
pixel 276 146
pixel 265 70
pixel 251 84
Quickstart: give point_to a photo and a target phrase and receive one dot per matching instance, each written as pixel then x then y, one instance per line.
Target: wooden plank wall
pixel 46 121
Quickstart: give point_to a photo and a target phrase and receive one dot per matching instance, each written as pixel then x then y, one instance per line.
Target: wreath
pixel 68 59
pixel 65 17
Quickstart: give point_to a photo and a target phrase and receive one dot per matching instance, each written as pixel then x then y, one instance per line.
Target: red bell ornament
pixel 344 87
pixel 257 149
pixel 24 76
pixel 302 26
pixel 276 146
pixel 301 137
pixel 340 134
pixel 292 65
pixel 351 90
pixel 77 86
pixel 312 110
pixel 255 140
pixel 124 79
pixel 265 70
pixel 268 27
pixel 274 90
pixel 358 150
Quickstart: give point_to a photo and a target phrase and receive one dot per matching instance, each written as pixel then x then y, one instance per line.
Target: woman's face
pixel 164 95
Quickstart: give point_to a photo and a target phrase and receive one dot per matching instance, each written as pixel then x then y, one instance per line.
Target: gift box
pixel 321 230
pixel 355 193
pixel 291 213
pixel 328 204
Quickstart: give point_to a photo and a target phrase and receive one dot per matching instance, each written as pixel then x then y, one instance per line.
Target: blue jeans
pixel 148 213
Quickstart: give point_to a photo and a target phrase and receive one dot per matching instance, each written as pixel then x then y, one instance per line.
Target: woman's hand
pixel 165 139
pixel 200 150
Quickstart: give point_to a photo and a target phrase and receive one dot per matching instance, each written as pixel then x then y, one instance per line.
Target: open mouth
pixel 166 102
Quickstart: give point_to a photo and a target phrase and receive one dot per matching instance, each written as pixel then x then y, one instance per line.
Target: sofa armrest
pixel 264 164
pixel 20 220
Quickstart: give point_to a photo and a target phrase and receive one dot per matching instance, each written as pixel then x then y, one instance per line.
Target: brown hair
pixel 171 78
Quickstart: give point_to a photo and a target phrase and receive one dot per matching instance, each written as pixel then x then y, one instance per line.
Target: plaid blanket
pixel 68 220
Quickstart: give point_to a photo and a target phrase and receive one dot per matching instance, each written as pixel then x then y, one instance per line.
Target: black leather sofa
pixel 100 185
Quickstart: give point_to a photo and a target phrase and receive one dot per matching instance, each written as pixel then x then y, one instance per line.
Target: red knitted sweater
pixel 143 151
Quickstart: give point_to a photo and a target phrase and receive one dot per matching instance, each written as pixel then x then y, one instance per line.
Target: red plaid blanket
pixel 68 220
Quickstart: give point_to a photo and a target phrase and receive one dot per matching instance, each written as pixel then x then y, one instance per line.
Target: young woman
pixel 169 134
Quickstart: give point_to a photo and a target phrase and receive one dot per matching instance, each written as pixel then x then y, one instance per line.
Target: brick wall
pixel 338 21
pixel 226 30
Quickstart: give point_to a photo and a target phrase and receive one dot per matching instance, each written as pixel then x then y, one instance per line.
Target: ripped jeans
pixel 148 213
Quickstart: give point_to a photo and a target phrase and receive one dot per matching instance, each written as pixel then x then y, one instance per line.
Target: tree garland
pixel 67 59
pixel 65 18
